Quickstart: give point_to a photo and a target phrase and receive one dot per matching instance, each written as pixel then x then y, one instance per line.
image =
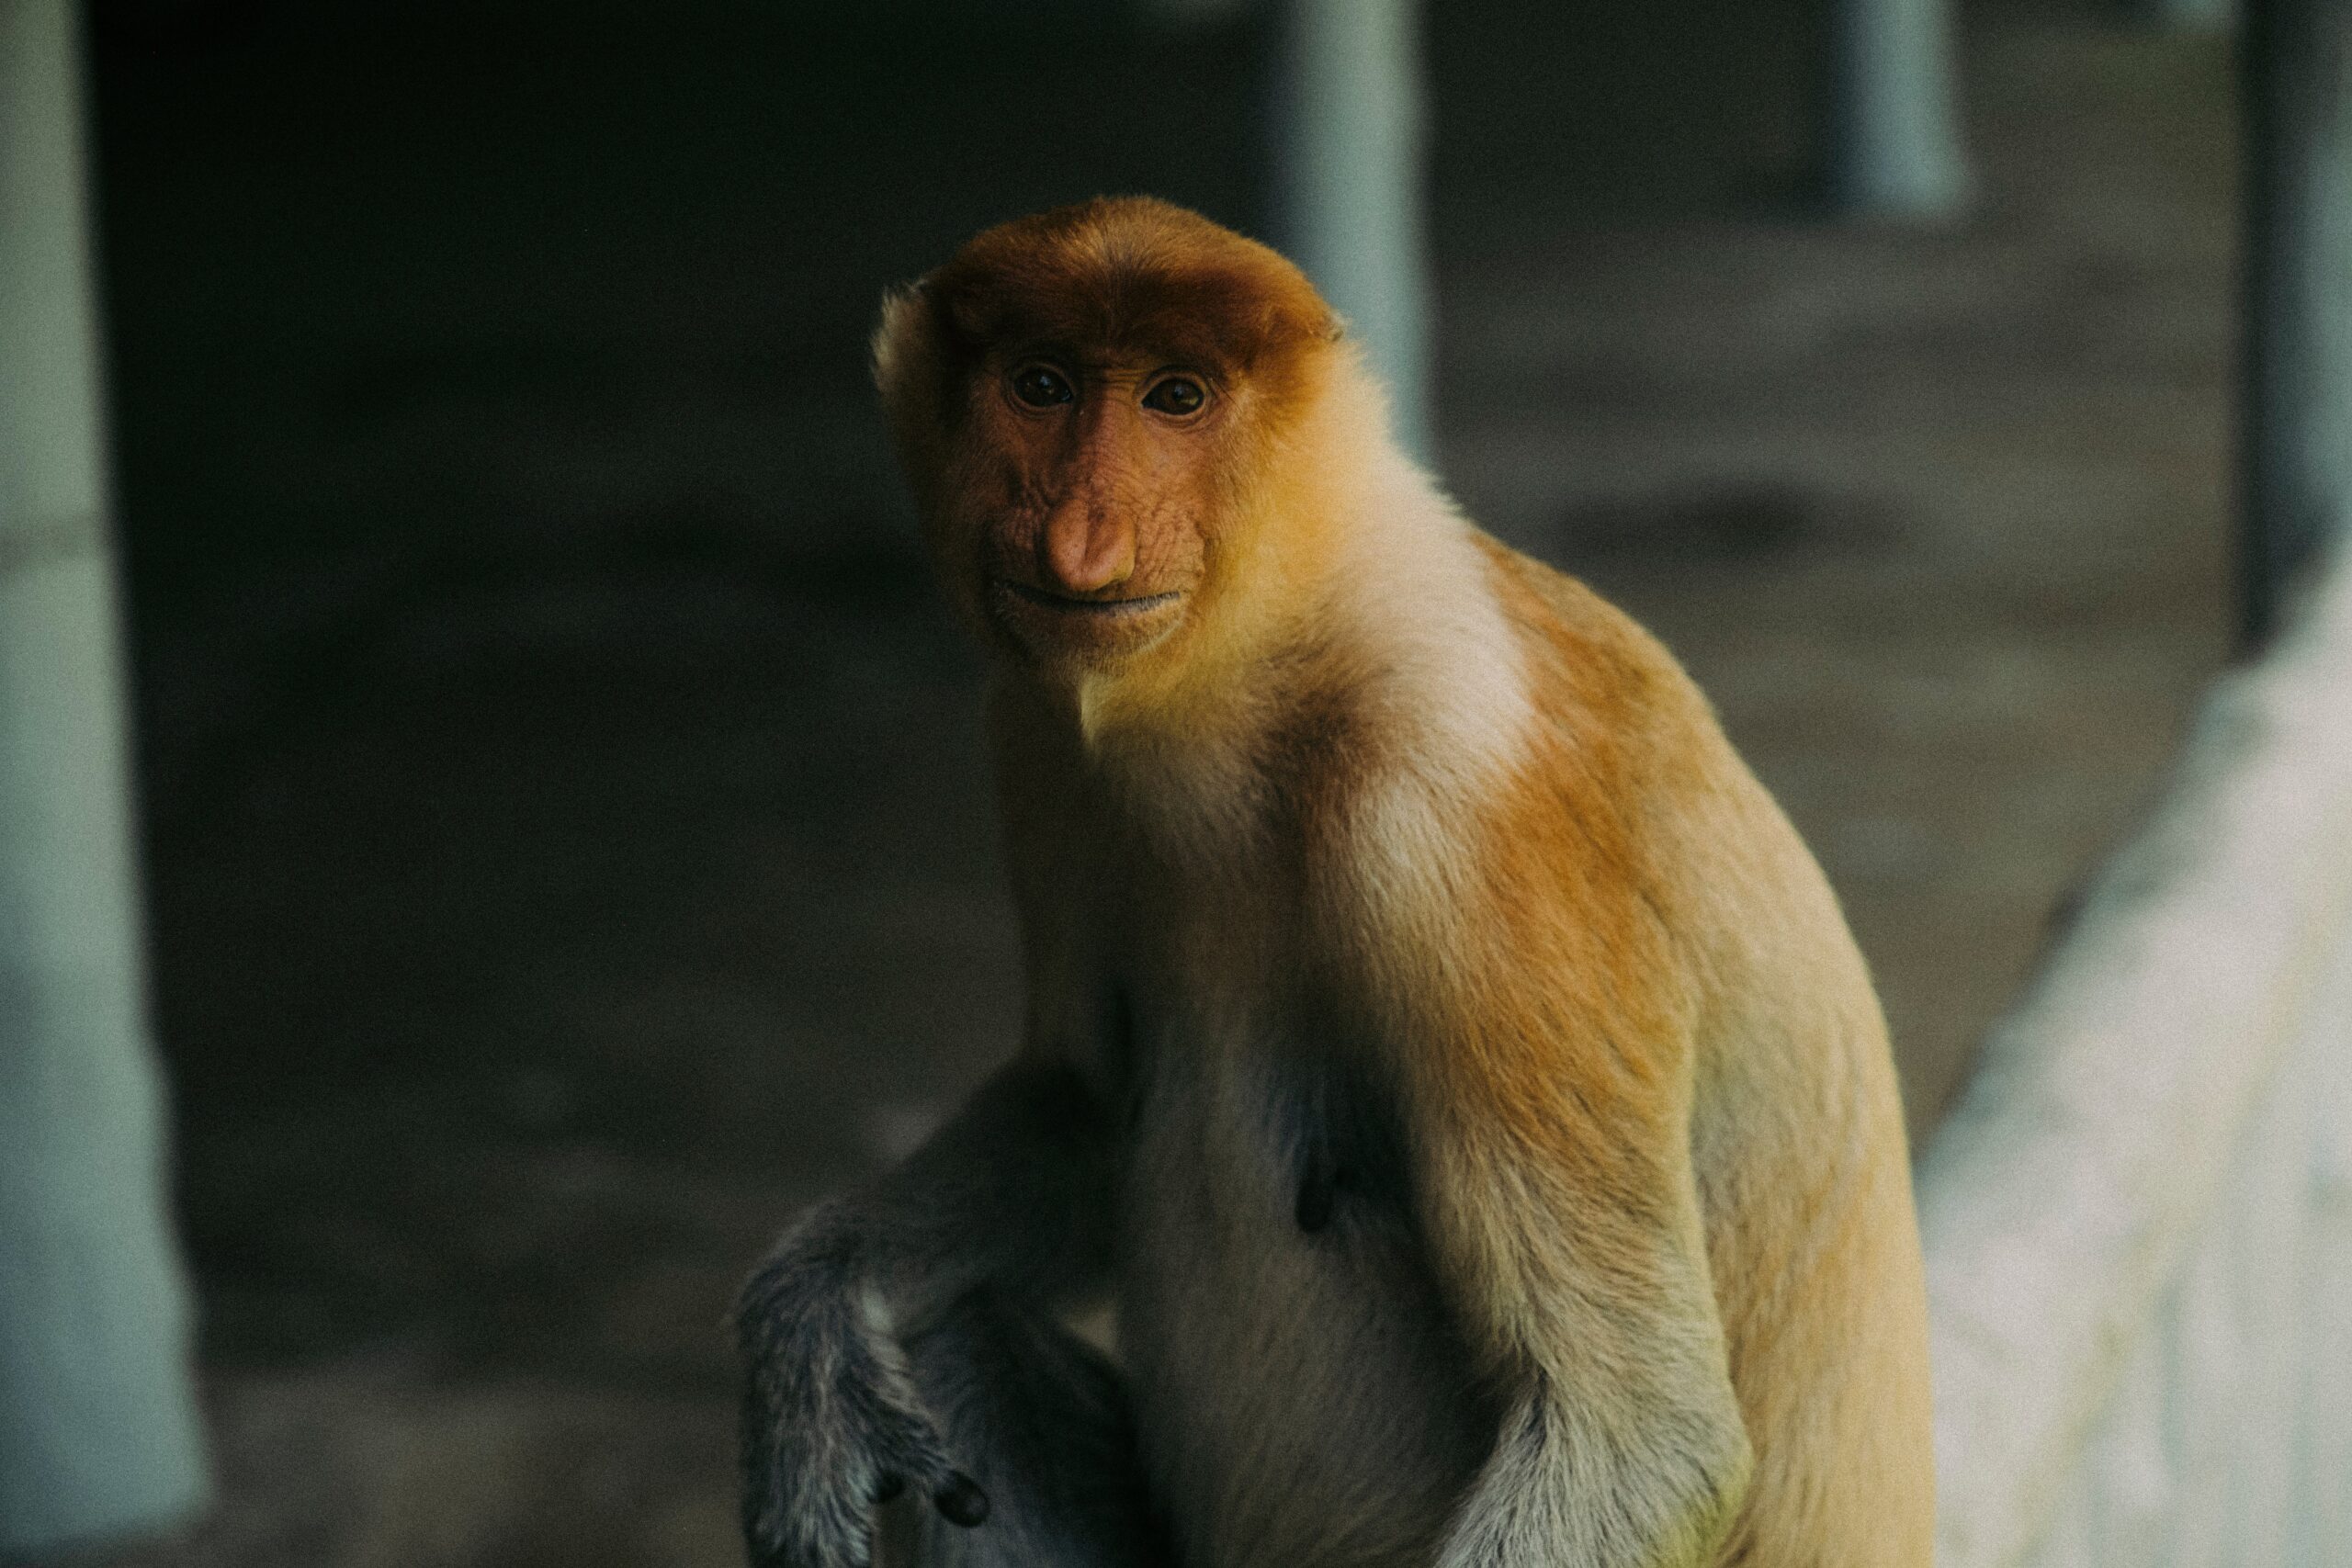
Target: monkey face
pixel 1085 401
pixel 1099 499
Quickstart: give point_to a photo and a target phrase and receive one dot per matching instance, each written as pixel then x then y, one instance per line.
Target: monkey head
pixel 1088 403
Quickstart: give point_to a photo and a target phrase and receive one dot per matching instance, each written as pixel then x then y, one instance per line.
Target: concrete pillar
pixel 98 1424
pixel 1893 141
pixel 1347 178
pixel 2295 435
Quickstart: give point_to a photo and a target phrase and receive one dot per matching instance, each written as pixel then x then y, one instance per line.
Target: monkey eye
pixel 1177 395
pixel 1041 386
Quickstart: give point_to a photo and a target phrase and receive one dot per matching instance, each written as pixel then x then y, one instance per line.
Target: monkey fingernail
pixel 889 1487
pixel 961 1501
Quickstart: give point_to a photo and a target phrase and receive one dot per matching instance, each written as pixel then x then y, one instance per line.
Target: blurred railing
pixel 2139 1221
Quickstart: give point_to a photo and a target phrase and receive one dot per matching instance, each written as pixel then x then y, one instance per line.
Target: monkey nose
pixel 1087 554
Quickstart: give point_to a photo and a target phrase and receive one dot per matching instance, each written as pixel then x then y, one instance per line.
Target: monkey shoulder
pixel 1594 671
pixel 1623 742
pixel 1620 873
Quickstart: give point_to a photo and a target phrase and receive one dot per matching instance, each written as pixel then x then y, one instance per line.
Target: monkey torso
pixel 1303 1393
pixel 1267 1202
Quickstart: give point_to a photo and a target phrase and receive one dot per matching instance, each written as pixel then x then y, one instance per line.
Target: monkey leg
pixel 1040 1419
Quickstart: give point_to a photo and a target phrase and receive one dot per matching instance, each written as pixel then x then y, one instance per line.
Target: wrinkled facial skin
pixel 1094 484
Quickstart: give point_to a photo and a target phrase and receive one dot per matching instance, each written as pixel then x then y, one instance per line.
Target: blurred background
pixel 567 850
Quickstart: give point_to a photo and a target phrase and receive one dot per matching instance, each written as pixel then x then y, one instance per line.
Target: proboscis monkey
pixel 1441 1051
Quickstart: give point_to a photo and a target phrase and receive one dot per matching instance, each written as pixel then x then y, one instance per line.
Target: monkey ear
pixel 948 322
pixel 1284 323
pixel 964 315
pixel 911 370
pixel 905 337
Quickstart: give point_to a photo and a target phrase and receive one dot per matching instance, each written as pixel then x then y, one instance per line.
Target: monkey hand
pixel 832 1422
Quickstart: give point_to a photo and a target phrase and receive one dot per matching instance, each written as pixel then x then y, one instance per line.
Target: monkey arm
pixel 1583 1284
pixel 1011 1195
pixel 1011 1192
pixel 1554 1183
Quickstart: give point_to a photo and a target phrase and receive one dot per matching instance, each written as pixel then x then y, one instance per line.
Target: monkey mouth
pixel 1102 609
pixel 1062 630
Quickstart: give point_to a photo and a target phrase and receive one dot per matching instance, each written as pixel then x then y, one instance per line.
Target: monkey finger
pixel 904 1444
pixel 961 1501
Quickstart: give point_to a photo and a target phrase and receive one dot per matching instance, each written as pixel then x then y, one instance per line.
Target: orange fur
pixel 1343 778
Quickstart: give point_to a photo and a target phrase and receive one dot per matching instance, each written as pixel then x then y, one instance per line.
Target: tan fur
pixel 1380 800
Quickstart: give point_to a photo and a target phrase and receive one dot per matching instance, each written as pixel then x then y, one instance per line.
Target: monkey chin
pixel 1056 633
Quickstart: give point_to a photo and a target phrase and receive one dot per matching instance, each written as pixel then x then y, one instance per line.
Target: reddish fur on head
pixel 1089 537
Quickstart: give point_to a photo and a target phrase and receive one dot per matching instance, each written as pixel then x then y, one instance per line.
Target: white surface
pixel 2128 1251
